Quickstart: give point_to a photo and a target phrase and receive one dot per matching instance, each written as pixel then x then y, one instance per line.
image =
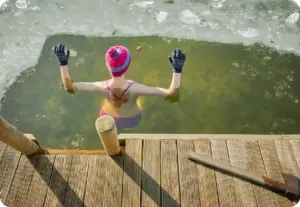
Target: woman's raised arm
pixel 177 61
pixel 68 84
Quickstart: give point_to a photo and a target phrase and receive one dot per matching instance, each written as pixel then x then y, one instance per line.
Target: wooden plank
pixel 291 136
pixel 237 154
pixel 170 195
pixel 200 136
pixel 17 195
pixel 132 174
pixel 286 157
pixel 77 181
pixel 151 174
pixel 31 136
pixel 94 192
pixel 2 149
pixel 273 168
pixel 255 165
pixel 188 178
pixel 296 149
pixel 225 183
pixel 206 176
pixel 39 185
pixel 8 168
pixel 113 181
pixel 77 152
pixel 58 184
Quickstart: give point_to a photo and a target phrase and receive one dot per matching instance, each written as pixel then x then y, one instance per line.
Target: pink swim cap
pixel 117 60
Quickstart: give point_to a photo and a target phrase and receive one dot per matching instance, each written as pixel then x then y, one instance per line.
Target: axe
pixel 290 188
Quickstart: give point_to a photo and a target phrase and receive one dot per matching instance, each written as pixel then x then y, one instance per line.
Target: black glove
pixel 59 51
pixel 177 60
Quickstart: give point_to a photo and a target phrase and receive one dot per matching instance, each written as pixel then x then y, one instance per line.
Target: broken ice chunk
pixel 189 17
pixel 248 33
pixel 21 4
pixel 292 18
pixel 73 53
pixel 161 16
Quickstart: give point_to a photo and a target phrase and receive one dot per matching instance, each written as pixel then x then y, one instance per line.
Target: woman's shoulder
pixel 101 84
pixel 144 90
pixel 91 86
pixel 140 89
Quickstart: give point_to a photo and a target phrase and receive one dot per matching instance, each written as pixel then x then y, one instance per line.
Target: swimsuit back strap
pixel 132 82
pixel 127 88
pixel 110 89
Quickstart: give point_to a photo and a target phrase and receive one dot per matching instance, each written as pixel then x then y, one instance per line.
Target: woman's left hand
pixel 62 56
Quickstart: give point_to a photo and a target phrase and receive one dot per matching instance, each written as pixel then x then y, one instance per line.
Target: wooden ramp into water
pixel 153 172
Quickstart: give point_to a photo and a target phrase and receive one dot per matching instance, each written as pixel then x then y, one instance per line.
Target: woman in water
pixel 121 94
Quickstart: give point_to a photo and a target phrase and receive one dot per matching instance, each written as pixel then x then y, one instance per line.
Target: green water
pixel 225 89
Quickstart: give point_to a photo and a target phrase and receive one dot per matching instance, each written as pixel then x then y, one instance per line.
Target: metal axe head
pixel 290 188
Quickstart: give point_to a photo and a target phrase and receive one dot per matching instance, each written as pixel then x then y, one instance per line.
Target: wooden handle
pixel 227 168
pixel 107 131
pixel 17 140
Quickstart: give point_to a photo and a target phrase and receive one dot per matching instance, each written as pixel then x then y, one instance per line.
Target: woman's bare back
pixel 120 100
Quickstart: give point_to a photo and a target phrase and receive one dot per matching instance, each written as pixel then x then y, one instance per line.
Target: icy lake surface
pixel 25 24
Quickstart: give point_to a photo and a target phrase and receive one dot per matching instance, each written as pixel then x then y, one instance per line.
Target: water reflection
pixel 225 89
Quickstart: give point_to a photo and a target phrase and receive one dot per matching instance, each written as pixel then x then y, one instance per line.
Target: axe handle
pixel 226 168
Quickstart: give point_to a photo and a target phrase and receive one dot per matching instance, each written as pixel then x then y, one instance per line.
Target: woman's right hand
pixel 177 60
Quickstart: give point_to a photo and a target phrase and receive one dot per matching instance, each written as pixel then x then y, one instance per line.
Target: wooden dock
pixel 153 172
